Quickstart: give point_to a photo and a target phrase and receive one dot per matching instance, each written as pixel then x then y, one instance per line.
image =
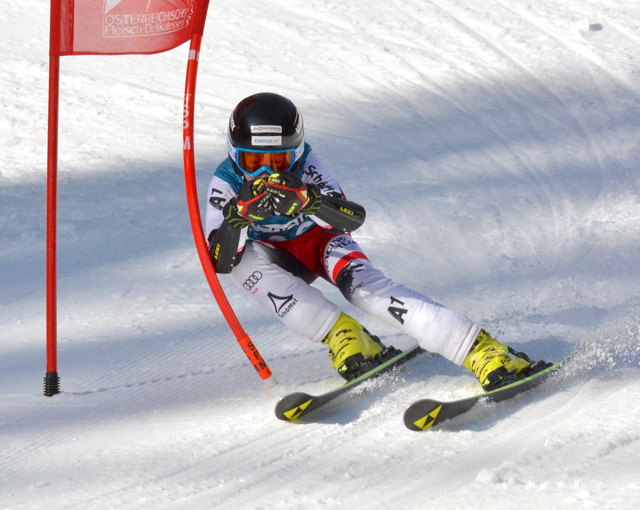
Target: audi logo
pixel 251 282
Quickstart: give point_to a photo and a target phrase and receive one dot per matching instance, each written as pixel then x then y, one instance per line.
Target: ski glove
pixel 252 203
pixel 290 196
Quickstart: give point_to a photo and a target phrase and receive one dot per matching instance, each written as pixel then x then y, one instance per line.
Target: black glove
pixel 291 196
pixel 252 203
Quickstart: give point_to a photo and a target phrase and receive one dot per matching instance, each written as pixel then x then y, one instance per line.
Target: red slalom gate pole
pixel 51 379
pixel 242 337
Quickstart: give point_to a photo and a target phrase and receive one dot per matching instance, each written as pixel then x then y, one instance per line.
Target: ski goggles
pixel 254 162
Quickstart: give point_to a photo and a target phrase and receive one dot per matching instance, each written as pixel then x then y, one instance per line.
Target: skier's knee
pixel 346 279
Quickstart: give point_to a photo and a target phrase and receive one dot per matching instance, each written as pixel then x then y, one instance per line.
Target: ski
pixel 428 413
pixel 294 405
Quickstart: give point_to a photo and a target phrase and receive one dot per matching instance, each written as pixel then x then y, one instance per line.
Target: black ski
pixel 294 405
pixel 427 413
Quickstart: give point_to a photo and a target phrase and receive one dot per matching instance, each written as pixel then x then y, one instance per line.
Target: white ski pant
pixel 280 283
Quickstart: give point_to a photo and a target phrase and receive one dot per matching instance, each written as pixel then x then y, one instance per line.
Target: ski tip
pixel 293 406
pixel 422 415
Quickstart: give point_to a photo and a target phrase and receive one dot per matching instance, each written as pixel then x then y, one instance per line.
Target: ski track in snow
pixel 497 141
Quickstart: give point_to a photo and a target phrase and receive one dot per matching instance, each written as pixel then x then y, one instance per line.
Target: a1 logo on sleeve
pixel 217 201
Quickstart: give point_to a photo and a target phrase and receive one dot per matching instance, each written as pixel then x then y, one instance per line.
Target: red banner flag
pixel 117 27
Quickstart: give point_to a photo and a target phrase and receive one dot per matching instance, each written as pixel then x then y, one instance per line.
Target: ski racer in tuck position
pixel 277 220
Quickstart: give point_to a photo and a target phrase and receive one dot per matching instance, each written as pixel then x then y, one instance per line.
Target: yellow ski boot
pixel 351 347
pixel 496 364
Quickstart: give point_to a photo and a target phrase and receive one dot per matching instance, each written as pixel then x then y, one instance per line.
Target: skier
pixel 276 220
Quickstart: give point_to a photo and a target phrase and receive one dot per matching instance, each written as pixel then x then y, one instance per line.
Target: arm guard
pixel 224 246
pixel 340 215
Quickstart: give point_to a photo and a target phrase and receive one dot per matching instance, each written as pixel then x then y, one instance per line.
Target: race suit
pixel 283 255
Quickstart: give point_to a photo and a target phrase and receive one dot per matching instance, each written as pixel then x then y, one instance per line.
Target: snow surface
pixel 495 146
